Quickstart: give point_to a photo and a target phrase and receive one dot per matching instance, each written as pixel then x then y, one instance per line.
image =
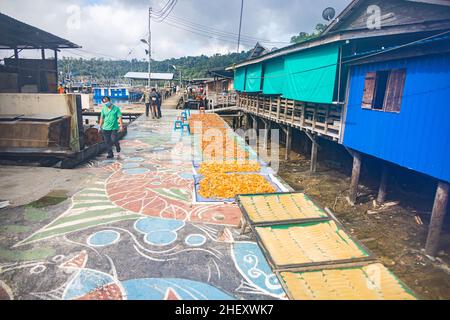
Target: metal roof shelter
pixel 29 75
pixel 144 76
pixel 220 73
pixel 15 34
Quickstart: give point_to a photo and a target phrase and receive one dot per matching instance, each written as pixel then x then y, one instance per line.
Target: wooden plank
pixel 369 90
pixel 394 90
pixel 278 108
pixel 293 113
pixel 285 109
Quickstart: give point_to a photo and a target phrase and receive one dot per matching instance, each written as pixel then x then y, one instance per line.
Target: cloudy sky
pixel 112 28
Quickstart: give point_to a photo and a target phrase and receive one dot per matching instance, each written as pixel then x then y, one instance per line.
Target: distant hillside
pixel 100 69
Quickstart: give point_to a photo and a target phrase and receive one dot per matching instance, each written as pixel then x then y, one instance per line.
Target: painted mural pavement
pixel 134 233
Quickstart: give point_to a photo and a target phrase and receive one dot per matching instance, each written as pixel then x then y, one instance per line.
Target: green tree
pixel 304 36
pixel 114 70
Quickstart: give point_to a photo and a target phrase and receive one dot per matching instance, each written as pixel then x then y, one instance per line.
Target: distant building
pixel 154 76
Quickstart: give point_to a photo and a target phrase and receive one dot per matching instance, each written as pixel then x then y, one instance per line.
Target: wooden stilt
pixel 437 218
pixel 288 143
pixel 383 185
pixel 267 128
pixel 247 121
pixel 305 145
pixel 314 157
pixel 355 177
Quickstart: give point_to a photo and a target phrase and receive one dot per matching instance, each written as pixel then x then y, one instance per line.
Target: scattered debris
pixel 418 220
pixel 384 208
pixel 4 204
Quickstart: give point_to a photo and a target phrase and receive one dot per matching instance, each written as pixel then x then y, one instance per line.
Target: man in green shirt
pixel 110 124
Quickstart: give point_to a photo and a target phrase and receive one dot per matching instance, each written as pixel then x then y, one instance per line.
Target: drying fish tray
pixel 272 209
pixel 199 199
pixel 371 281
pixel 303 245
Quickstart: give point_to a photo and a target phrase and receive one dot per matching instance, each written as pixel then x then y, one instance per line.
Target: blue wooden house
pixel 398 108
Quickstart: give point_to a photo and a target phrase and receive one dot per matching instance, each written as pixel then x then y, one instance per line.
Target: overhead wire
pixel 211 30
pixel 168 11
pixel 211 36
pixel 163 9
pixel 203 32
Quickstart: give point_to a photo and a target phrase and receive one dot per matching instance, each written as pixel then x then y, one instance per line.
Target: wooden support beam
pixel 285 109
pixel 302 118
pixel 356 172
pixel 257 104
pixel 288 142
pixel 278 108
pixel 314 157
pixel 383 185
pixel 437 218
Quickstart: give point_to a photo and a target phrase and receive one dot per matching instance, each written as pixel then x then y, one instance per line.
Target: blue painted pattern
pixel 155 289
pixel 103 238
pixel 254 268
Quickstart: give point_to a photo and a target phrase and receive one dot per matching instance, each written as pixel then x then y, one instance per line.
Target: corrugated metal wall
pixel 419 136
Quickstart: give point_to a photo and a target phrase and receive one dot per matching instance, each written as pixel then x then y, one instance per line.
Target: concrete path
pixel 131 232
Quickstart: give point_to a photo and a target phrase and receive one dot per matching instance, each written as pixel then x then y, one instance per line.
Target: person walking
pixel 147 100
pixel 160 100
pixel 155 101
pixel 111 124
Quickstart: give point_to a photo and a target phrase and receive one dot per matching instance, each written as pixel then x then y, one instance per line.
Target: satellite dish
pixel 329 13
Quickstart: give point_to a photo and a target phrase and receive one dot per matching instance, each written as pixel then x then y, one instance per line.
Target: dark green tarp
pixel 239 79
pixel 311 74
pixel 253 78
pixel 274 77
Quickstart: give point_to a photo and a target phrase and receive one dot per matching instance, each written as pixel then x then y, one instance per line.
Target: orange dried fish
pixel 229 185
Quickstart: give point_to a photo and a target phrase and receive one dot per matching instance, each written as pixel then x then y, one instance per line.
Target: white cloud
pixel 113 27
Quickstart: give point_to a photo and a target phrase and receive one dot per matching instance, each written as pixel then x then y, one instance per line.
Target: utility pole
pixel 240 26
pixel 150 48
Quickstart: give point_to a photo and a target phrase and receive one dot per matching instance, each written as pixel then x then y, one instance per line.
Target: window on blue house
pixel 383 90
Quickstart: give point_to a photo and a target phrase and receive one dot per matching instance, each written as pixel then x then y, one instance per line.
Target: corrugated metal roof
pixel 16 34
pixel 144 76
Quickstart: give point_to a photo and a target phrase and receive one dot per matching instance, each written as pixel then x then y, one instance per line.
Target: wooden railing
pixel 321 119
pixel 221 100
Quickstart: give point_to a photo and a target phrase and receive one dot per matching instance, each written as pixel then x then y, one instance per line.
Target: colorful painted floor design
pixel 133 233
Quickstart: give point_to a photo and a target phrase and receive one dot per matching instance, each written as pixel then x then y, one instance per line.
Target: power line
pixel 168 11
pixel 209 28
pixel 203 34
pixel 163 9
pixel 202 31
pixel 98 53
